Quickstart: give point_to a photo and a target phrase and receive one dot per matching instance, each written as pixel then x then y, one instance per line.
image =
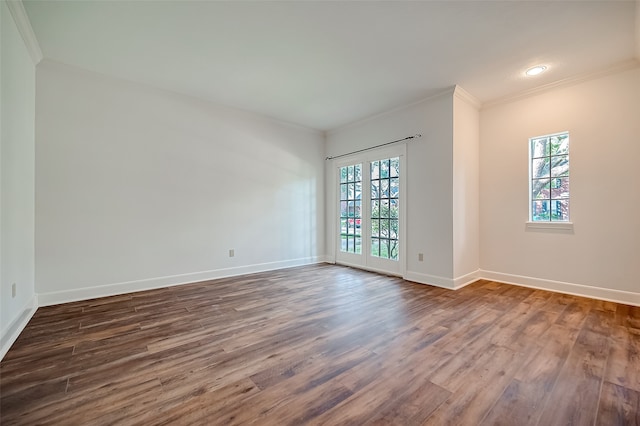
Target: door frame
pixel 399 150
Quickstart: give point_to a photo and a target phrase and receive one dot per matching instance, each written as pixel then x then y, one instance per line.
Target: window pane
pixel 375 189
pixel 395 186
pixel 559 188
pixel 351 193
pixel 343 243
pixel 384 168
pixel 384 228
pixel 393 229
pixel 358 172
pixel 358 191
pixel 540 188
pixel 375 208
pixel 540 210
pixel 539 147
pixel 375 226
pixel 350 227
pixel 343 174
pixel 394 208
pixel 393 254
pixel 395 167
pixel 343 226
pixel 375 169
pixel 559 210
pixel 384 209
pixel 343 209
pixel 375 246
pixel 560 165
pixel 351 207
pixel 350 175
pixel 384 248
pixel 358 245
pixel 559 144
pixel 540 167
pixel 343 191
pixel 384 188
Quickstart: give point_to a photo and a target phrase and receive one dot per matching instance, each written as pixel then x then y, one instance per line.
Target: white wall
pixel 138 187
pixel 429 180
pixel 603 251
pixel 466 176
pixel 17 90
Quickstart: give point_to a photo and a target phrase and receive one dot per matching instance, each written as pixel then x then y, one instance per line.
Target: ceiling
pixel 328 63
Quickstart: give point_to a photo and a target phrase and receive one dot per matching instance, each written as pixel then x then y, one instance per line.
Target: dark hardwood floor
pixel 326 345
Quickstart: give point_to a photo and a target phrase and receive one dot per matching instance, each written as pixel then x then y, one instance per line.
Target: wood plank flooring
pixel 326 345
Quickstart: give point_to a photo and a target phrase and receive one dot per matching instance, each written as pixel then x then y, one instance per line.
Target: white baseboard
pixel 610 295
pixel 364 268
pixel 434 280
pixel 467 279
pixel 449 283
pixel 13 330
pixel 57 297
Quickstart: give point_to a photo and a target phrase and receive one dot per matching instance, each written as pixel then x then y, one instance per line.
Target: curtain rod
pixel 373 147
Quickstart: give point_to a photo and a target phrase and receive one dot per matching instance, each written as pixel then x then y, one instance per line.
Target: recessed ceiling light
pixel 535 70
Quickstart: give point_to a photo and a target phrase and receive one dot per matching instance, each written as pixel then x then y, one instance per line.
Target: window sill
pixel 564 226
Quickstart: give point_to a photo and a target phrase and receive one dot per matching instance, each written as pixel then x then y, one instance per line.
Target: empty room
pixel 320 212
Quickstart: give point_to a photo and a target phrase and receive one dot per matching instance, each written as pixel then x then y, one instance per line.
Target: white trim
pixel 433 280
pixel 467 97
pixel 368 268
pixel 448 283
pixel 57 297
pixel 21 19
pixel 617 68
pixel 610 295
pixel 10 333
pixel 446 92
pixel 564 226
pixel 466 279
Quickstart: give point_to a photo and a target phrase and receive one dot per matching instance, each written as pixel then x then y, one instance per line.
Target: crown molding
pixel 54 65
pixel 570 81
pixel 462 94
pixel 445 92
pixel 21 19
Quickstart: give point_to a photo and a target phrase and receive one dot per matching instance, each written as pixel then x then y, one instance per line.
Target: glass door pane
pixel 369 215
pixel 385 208
pixel 351 209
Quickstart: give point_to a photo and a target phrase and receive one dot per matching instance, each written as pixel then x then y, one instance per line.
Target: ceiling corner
pixel 21 19
pixel 467 97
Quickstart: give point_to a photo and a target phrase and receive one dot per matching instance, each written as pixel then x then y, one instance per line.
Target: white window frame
pixel 546 224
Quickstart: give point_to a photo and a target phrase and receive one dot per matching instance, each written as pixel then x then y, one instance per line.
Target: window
pixel 350 208
pixel 549 178
pixel 385 184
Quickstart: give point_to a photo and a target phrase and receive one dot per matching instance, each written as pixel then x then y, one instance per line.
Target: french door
pixel 370 211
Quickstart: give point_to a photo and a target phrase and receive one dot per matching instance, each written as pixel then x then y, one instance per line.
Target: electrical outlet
pixel 13 290
pixel 232 253
pixel 420 257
